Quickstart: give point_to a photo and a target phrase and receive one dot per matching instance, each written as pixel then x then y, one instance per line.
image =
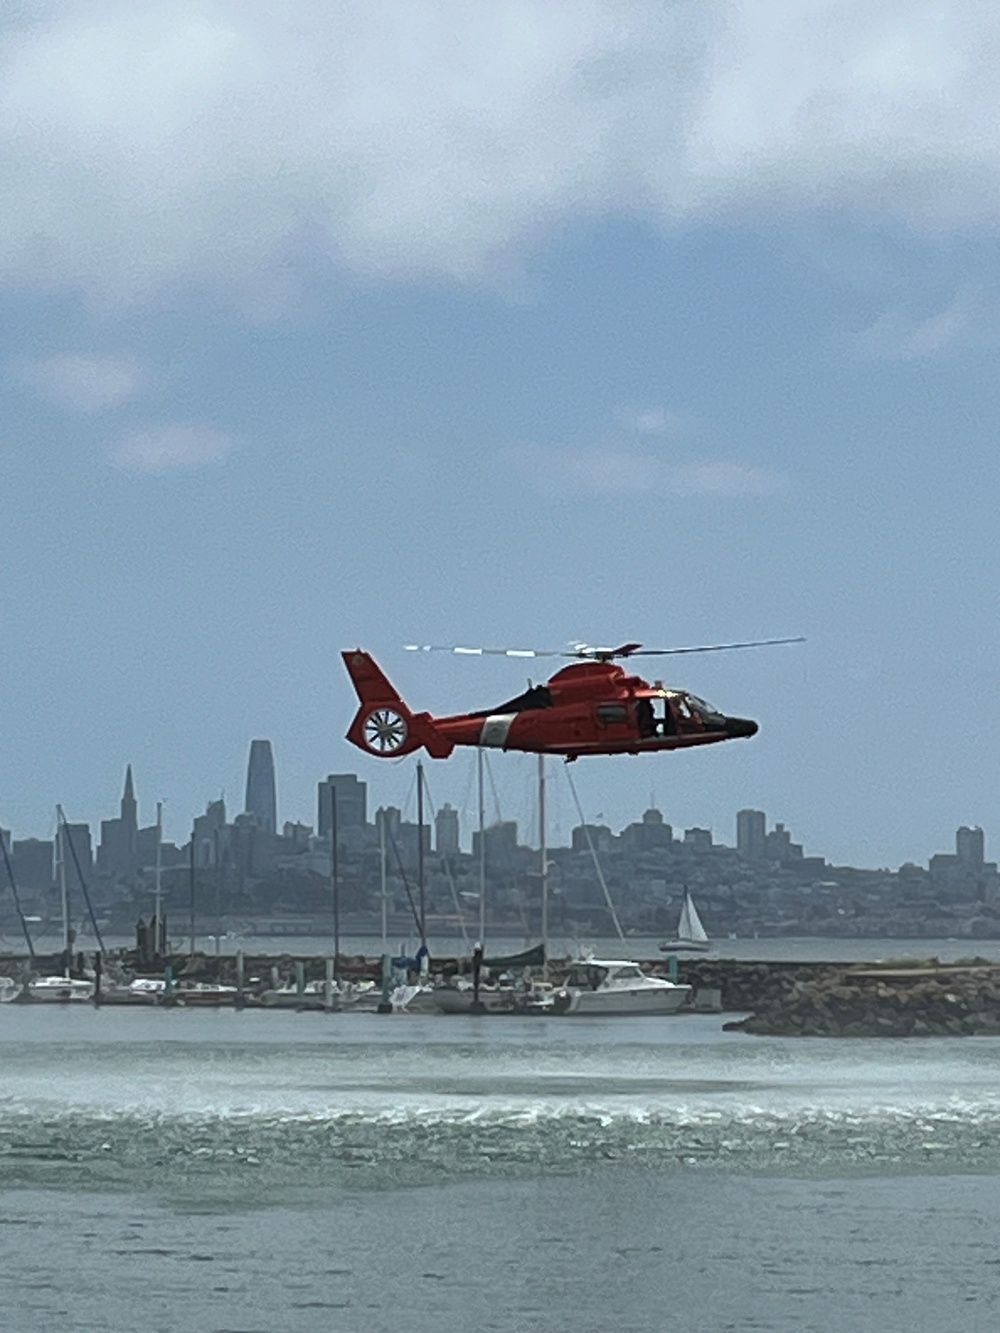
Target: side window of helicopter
pixel 663 718
pixel 611 715
pixel 645 716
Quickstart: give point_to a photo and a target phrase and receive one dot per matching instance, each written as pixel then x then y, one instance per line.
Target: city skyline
pixel 123 844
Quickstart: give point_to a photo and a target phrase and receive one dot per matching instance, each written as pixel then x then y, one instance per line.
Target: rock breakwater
pixel 921 1000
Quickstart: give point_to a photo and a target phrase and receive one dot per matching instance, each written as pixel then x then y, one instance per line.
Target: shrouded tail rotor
pixel 383 725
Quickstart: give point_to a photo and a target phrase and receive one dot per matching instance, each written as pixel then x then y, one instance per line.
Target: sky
pixel 325 326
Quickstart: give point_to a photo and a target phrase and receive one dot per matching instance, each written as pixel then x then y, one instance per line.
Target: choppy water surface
pixel 294 1171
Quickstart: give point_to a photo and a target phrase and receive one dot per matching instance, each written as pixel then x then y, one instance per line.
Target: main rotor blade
pixel 587 652
pixel 479 652
pixel 713 647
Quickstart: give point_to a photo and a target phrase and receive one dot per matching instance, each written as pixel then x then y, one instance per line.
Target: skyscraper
pixel 261 801
pixel 33 863
pixel 446 831
pixel 352 803
pixel 970 847
pixel 129 809
pixel 751 834
pixel 117 853
pixel 78 841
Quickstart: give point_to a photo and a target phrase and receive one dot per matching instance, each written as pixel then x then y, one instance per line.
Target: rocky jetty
pixel 909 998
pixel 746 984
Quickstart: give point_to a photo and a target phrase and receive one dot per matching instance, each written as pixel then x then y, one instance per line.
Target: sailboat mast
pixel 158 891
pixel 63 890
pixel 544 865
pixel 482 848
pixel 420 856
pixel 335 880
pixel 191 893
pixel 383 884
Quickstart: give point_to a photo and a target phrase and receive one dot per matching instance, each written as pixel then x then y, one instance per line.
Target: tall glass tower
pixel 261 801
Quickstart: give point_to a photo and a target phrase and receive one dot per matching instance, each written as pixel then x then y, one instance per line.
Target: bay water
pixel 223 1172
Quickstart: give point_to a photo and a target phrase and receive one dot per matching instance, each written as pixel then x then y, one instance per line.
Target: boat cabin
pixel 595 973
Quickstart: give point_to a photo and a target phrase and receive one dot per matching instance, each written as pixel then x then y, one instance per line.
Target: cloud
pixel 242 145
pixel 80 383
pixel 654 421
pixel 172 448
pixel 898 335
pixel 628 474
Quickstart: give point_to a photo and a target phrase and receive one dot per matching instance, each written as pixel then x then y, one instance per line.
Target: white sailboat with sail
pixel 692 936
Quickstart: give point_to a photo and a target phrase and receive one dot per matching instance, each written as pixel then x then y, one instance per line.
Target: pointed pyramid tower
pixel 130 813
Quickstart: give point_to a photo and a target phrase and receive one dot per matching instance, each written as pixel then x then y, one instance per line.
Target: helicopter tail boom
pixel 384 725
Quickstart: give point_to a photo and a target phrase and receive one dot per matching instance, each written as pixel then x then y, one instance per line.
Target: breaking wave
pixel 256 1155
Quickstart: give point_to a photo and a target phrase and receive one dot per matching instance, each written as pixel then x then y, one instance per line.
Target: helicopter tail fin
pixel 384 725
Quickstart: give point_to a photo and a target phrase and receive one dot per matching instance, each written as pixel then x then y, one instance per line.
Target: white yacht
pixel 59 990
pixel 142 990
pixel 613 987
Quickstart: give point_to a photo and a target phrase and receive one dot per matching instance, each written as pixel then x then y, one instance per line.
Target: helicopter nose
pixel 740 726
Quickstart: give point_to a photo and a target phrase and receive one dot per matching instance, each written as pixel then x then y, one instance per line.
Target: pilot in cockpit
pixel 654 717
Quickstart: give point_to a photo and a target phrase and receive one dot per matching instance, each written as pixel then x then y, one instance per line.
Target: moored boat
pixel 613 987
pixel 459 997
pixel 139 991
pixel 206 995
pixel 58 990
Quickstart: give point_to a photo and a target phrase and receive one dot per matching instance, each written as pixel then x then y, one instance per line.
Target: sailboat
pixel 691 934
pixel 464 996
pixel 65 988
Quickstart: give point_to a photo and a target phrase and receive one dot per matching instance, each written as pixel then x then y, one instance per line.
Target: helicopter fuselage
pixel 584 709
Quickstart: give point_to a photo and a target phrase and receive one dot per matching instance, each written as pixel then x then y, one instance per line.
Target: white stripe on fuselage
pixel 495 730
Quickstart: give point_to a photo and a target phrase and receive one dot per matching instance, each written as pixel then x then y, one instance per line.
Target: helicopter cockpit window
pixel 709 715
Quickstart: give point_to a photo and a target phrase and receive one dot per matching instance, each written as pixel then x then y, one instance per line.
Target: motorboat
pixel 139 991
pixel 615 987
pixel 206 995
pixel 59 990
pixel 692 936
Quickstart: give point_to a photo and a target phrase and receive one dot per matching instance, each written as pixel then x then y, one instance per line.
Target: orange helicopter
pixel 593 706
